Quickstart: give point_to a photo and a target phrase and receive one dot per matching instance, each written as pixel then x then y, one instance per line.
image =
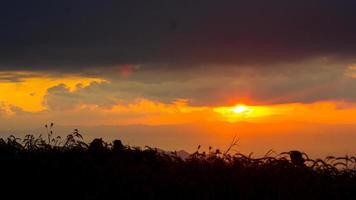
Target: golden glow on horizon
pixel 319 112
pixel 144 111
pixel 242 112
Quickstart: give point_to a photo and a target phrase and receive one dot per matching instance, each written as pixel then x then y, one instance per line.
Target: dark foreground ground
pixel 52 168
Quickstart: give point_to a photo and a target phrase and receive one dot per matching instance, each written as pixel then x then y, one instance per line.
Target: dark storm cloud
pixel 69 35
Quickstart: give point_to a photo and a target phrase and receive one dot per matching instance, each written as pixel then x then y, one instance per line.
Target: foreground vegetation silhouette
pixel 69 168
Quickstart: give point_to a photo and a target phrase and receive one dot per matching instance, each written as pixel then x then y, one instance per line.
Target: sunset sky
pixel 278 67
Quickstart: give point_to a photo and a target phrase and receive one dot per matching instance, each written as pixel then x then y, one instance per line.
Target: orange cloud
pixel 28 91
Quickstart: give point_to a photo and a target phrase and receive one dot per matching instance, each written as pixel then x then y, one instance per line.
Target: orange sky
pixel 29 96
pixel 321 127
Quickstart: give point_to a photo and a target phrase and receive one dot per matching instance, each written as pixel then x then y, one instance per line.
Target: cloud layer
pixel 68 35
pixel 206 52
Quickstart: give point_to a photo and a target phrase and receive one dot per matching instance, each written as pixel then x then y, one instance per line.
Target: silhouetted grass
pixel 56 168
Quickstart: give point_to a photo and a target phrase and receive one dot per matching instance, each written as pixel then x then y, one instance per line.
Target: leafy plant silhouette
pixel 54 167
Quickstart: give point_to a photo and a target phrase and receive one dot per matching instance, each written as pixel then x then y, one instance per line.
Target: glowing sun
pixel 243 112
pixel 240 109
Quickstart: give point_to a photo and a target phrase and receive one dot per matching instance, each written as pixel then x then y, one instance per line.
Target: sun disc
pixel 239 109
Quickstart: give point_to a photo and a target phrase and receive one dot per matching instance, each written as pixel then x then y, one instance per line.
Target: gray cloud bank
pixel 324 81
pixel 209 52
pixel 72 35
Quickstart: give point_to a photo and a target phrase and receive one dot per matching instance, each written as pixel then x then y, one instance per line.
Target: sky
pixel 219 67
